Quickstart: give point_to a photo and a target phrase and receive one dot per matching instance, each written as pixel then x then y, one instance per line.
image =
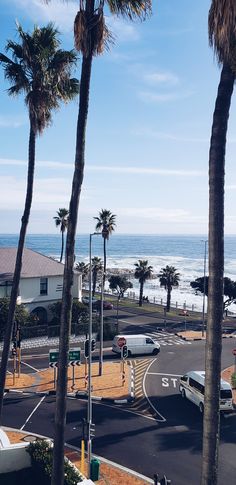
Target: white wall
pixel 14 457
pixel 30 289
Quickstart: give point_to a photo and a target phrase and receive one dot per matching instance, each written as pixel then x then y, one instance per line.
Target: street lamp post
pixel 101 327
pixel 90 329
pixel 204 287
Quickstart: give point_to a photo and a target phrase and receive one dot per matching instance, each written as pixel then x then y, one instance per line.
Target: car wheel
pixel 201 408
pixel 155 351
pixel 183 394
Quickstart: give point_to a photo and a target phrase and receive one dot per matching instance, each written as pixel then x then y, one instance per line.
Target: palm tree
pixel 106 224
pixel 61 220
pixel 96 269
pixel 143 272
pixel 222 29
pixel 41 71
pixel 91 37
pixel 83 268
pixel 168 277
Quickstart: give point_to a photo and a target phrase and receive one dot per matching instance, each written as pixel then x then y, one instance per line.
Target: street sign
pixel 74 356
pixel 234 352
pixel 53 356
pixel 121 341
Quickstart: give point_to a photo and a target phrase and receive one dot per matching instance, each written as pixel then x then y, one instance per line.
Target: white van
pixel 192 387
pixel 136 344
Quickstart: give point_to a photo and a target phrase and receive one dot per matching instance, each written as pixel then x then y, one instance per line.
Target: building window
pixel 43 286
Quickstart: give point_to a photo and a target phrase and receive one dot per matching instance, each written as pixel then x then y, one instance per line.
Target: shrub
pixel 233 380
pixel 41 453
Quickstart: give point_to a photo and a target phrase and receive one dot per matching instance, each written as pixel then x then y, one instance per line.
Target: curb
pixel 84 395
pixel 195 339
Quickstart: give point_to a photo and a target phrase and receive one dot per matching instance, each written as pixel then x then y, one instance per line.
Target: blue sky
pixel 151 105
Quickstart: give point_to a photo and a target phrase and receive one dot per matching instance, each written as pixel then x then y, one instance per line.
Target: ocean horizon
pixel 184 252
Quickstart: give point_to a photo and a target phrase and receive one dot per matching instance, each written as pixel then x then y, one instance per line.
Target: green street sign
pixel 74 354
pixel 53 356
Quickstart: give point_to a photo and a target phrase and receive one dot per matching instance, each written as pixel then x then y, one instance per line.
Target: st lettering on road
pixel 168 380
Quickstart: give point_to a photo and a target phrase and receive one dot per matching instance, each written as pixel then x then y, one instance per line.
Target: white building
pixel 40 283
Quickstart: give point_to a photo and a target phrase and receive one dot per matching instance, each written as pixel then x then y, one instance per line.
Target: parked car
pixel 85 300
pixel 107 305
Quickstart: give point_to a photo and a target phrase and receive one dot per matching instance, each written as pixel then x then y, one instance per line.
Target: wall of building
pixel 14 457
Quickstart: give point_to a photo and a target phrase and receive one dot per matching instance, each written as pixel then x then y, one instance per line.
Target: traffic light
pixel 13 350
pixel 86 348
pixel 124 351
pixel 93 345
pixel 18 336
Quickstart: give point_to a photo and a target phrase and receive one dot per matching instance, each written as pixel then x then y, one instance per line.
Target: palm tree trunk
pixel 216 274
pixel 94 282
pixel 18 264
pixel 62 245
pixel 60 412
pixel 168 299
pixel 141 294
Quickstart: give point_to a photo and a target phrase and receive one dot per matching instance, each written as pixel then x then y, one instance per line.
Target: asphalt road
pixel 169 444
pixel 180 433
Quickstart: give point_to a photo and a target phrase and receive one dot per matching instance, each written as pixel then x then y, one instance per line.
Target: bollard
pixel 155 479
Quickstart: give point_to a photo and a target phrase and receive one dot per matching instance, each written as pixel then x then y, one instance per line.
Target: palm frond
pixel 222 28
pixel 133 9
pixel 41 71
pixel 91 33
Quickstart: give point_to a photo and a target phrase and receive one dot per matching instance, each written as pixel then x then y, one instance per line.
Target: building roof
pixel 33 264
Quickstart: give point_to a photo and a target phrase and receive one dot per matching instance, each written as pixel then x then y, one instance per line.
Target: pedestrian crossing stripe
pixel 165 339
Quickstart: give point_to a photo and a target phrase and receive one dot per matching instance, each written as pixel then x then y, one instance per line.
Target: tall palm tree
pixel 168 277
pixel 143 272
pixel 106 225
pixel 61 220
pixel 222 35
pixel 91 37
pixel 41 71
pixel 96 269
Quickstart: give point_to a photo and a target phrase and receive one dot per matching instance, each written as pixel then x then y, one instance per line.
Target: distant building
pixel 40 283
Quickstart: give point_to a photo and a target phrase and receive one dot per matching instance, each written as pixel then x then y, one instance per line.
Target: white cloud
pixel 160 135
pixel 230 187
pixel 48 193
pixel 158 77
pixel 121 30
pixel 146 171
pixel 61 13
pixel 108 168
pixel 39 163
pixel 12 121
pixel 154 213
pixel 151 97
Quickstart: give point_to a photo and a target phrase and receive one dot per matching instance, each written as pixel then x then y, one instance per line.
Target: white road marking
pixel 163 374
pixel 125 410
pixel 31 414
pixel 28 365
pixel 162 420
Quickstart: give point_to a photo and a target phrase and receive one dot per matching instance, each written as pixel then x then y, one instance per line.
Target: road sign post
pixel 234 353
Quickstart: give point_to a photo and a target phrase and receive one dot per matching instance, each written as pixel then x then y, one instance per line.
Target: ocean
pixel 185 253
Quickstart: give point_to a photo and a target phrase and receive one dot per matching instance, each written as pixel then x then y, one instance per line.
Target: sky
pixel 150 114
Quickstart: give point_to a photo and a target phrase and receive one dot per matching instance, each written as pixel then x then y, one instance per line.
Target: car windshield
pixel 226 394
